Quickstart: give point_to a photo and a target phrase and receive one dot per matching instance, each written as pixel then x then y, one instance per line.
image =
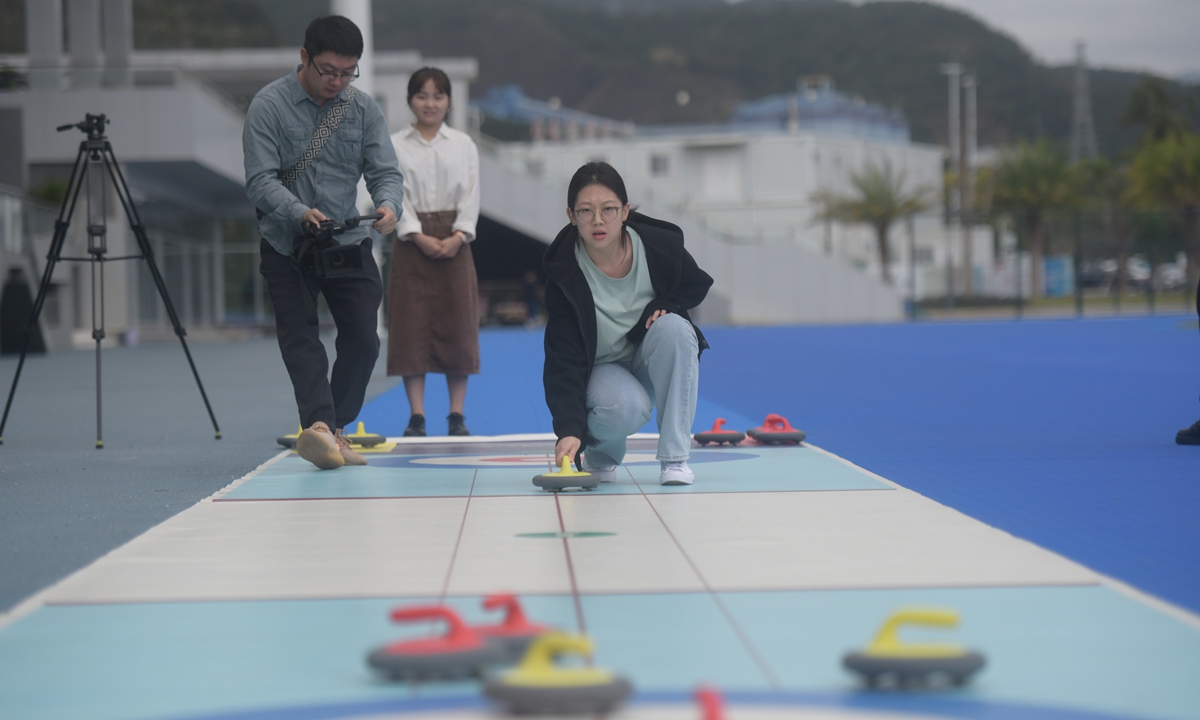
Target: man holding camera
pixel 309 137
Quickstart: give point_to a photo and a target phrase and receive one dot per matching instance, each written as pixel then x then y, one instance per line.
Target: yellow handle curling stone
pixel 566 477
pixel 890 662
pixel 539 686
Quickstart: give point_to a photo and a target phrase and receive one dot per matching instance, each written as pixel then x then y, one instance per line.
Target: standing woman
pixel 433 300
pixel 619 341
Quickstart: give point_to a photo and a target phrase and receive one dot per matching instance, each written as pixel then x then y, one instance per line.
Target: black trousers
pixel 354 303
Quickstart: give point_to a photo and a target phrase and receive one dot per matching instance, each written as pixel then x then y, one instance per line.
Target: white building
pixel 756 186
pixel 752 182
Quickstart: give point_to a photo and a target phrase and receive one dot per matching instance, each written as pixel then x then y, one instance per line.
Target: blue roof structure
pixel 814 107
pixel 509 102
pixel 817 107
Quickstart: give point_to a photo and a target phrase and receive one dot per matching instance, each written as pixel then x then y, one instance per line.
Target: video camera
pixel 93 125
pixel 319 255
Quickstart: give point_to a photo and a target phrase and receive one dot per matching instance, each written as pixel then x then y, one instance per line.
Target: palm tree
pixel 1166 173
pixel 879 201
pixel 1031 179
pixel 1151 104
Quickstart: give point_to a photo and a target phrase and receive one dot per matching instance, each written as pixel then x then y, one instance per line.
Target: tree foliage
pixel 880 199
pixel 1030 180
pixel 1166 174
pixel 1152 105
pixel 1033 175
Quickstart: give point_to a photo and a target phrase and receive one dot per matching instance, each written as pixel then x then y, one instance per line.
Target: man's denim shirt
pixel 279 125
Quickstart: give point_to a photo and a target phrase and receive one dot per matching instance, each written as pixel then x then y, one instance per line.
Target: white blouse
pixel 442 174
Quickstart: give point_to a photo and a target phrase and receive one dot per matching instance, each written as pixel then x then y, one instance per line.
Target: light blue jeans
pixel 664 373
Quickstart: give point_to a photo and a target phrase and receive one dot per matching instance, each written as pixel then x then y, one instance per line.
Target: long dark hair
pixel 596 172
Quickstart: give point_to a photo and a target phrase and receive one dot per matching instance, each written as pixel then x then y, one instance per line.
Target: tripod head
pixel 92 125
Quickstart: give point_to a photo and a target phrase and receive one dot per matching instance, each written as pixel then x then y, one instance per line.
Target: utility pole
pixel 1083 131
pixel 361 13
pixel 966 184
pixel 954 72
pixel 1083 147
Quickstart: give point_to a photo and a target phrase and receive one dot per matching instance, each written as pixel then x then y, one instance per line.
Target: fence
pixel 1090 261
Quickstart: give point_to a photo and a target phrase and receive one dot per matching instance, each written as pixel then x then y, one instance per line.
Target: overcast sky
pixel 1162 36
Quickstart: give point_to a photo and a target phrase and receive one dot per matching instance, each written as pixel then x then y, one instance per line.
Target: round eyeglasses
pixel 608 214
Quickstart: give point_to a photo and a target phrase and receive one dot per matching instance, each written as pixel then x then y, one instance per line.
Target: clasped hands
pixel 435 249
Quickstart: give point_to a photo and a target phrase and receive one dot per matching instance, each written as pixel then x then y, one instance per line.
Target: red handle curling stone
pixel 776 430
pixel 515 633
pixel 712 705
pixel 460 653
pixel 719 434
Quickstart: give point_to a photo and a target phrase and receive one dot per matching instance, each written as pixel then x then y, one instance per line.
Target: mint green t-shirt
pixel 619 301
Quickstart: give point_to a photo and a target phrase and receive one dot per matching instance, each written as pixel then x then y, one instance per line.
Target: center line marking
pixel 737 629
pixel 571 570
pixel 457 541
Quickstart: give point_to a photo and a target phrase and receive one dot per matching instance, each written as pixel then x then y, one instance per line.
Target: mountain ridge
pixel 628 60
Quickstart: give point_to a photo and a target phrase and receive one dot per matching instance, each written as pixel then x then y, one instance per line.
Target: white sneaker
pixel 606 475
pixel 676 473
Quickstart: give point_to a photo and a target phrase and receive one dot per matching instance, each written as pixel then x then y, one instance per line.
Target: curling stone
pixel 719 434
pixel 776 430
pixel 289 441
pixel 712 704
pixel 460 653
pixel 539 687
pixel 890 662
pixel 565 478
pixel 363 438
pixel 515 634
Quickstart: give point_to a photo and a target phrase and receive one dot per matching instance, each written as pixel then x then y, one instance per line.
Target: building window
pixel 660 165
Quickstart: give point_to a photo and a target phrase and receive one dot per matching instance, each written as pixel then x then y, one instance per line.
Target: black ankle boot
pixel 416 426
pixel 458 424
pixel 1189 436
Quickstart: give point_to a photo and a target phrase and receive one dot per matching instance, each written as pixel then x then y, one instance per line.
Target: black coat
pixel 679 285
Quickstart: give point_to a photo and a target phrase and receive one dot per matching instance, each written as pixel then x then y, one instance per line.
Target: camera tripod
pixel 94 158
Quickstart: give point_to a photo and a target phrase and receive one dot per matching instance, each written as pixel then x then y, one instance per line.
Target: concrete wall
pixel 179 123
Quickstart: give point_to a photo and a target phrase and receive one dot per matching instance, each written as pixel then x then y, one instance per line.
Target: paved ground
pixel 64 503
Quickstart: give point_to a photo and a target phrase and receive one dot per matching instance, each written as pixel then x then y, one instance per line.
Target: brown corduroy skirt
pixel 433 307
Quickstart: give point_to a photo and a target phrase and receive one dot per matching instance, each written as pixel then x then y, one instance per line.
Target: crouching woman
pixel 619 341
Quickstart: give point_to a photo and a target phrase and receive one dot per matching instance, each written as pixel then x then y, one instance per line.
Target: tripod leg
pixel 98 336
pixel 56 244
pixel 139 231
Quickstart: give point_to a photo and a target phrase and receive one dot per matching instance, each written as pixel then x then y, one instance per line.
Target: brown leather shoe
pixel 319 446
pixel 348 455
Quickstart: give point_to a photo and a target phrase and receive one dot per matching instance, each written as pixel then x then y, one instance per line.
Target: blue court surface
pixel 1020 474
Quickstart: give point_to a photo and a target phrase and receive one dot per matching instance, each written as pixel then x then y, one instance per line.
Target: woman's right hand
pixel 566 447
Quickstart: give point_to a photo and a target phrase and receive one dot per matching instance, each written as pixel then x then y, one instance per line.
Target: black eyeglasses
pixel 336 75
pixel 608 214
